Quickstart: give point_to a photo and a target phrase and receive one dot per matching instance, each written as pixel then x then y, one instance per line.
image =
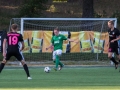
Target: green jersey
pixel 57 41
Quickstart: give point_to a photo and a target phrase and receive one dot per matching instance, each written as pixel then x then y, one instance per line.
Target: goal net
pixel 90 33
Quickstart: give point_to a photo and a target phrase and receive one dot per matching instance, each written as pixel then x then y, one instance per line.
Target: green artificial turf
pixel 69 78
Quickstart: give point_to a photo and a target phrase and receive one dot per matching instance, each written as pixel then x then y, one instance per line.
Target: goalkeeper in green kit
pixel 57 43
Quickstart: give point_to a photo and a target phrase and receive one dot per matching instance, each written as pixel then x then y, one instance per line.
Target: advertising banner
pixel 88 41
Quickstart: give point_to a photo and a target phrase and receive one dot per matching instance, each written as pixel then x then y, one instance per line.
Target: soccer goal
pixel 91 34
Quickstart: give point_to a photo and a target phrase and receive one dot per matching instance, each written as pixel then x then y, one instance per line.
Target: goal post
pixel 90 32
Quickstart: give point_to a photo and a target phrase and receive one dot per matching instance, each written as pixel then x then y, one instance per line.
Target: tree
pixel 32 8
pixel 88 10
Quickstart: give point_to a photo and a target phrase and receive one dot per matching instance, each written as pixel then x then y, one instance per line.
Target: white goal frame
pixel 21 22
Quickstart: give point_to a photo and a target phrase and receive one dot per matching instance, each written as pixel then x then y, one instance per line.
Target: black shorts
pixel 16 54
pixel 114 49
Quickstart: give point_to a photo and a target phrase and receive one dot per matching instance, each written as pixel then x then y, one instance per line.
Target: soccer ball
pixel 47 69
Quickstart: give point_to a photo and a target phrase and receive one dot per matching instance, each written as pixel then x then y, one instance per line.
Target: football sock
pixel 1 67
pixel 60 64
pixel 26 70
pixel 57 61
pixel 114 61
pixel 119 61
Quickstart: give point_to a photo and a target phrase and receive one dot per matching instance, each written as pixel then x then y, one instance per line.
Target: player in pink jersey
pixel 12 42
